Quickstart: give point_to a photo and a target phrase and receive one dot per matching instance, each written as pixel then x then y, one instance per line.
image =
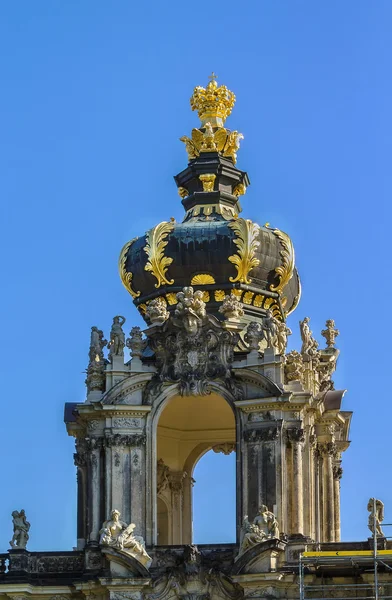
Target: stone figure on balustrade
pixel 117 534
pixel 21 530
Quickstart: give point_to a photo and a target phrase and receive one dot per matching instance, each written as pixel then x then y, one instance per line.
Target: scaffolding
pixel 339 562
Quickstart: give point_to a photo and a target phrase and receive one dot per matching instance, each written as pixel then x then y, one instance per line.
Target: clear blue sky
pixel 95 95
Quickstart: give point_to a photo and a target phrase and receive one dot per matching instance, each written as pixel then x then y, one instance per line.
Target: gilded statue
pixel 330 333
pixel 117 337
pixel 264 526
pixel 117 534
pixel 21 530
pixel 376 516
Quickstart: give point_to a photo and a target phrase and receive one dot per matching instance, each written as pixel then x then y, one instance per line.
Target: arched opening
pixel 214 512
pixel 188 428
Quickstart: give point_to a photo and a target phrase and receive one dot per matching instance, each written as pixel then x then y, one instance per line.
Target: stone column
pixel 328 450
pixel 295 437
pixel 80 460
pixel 176 480
pixel 187 510
pixel 260 445
pixel 127 484
pixel 318 508
pixel 337 475
pixel 95 521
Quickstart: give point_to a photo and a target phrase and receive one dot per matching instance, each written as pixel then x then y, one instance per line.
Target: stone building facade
pixel 210 371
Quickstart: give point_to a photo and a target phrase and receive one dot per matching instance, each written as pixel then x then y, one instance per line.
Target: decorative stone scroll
pixel 265 434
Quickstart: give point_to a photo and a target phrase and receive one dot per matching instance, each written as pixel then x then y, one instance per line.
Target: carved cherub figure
pixel 21 530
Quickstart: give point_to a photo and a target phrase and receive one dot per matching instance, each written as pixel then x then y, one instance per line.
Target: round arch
pixel 181 430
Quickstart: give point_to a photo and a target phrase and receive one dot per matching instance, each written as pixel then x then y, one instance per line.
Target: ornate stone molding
pixel 265 434
pixel 295 435
pixel 117 440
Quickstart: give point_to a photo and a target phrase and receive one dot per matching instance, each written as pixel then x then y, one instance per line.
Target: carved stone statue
pixel 269 328
pixel 264 526
pixel 294 366
pixel 330 333
pixel 95 379
pixel 117 337
pixel 282 333
pixel 163 473
pixel 21 530
pixel 157 312
pixel 376 517
pixel 309 344
pixel 135 343
pixel 97 344
pixel 190 310
pixel 253 335
pixel 231 308
pixel 117 534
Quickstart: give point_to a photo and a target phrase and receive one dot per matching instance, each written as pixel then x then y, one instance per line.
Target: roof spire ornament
pixel 213 104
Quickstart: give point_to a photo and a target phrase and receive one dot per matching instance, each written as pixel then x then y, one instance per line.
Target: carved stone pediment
pixel 262 558
pixel 193 356
pixel 122 564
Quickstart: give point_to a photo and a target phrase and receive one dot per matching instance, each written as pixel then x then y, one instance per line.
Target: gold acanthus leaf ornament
pixel 247 243
pixel 126 276
pixel 157 262
pixel 286 269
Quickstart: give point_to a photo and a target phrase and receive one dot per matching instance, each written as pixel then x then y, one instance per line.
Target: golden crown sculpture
pixel 213 104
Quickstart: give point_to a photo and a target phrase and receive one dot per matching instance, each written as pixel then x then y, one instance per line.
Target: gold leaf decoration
pixel 219 295
pixel 206 296
pixel 258 301
pixel 237 294
pixel 171 297
pixel 202 279
pixel 142 308
pixel 157 262
pixel 247 243
pixel 247 299
pixel 286 269
pixel 126 276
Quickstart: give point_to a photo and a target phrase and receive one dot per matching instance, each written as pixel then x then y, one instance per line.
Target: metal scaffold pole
pixel 375 550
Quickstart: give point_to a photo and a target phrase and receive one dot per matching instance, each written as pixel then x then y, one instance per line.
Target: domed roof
pixel 213 249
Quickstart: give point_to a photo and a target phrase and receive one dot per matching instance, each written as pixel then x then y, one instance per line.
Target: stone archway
pixel 187 428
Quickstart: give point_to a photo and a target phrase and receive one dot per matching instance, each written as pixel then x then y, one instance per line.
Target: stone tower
pixel 210 371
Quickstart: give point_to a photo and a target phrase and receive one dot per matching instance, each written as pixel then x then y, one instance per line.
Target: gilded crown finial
pixel 213 104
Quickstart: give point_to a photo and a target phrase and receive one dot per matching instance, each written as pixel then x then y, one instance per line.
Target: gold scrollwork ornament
pixel 247 243
pixel 126 276
pixel 157 262
pixel 286 269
